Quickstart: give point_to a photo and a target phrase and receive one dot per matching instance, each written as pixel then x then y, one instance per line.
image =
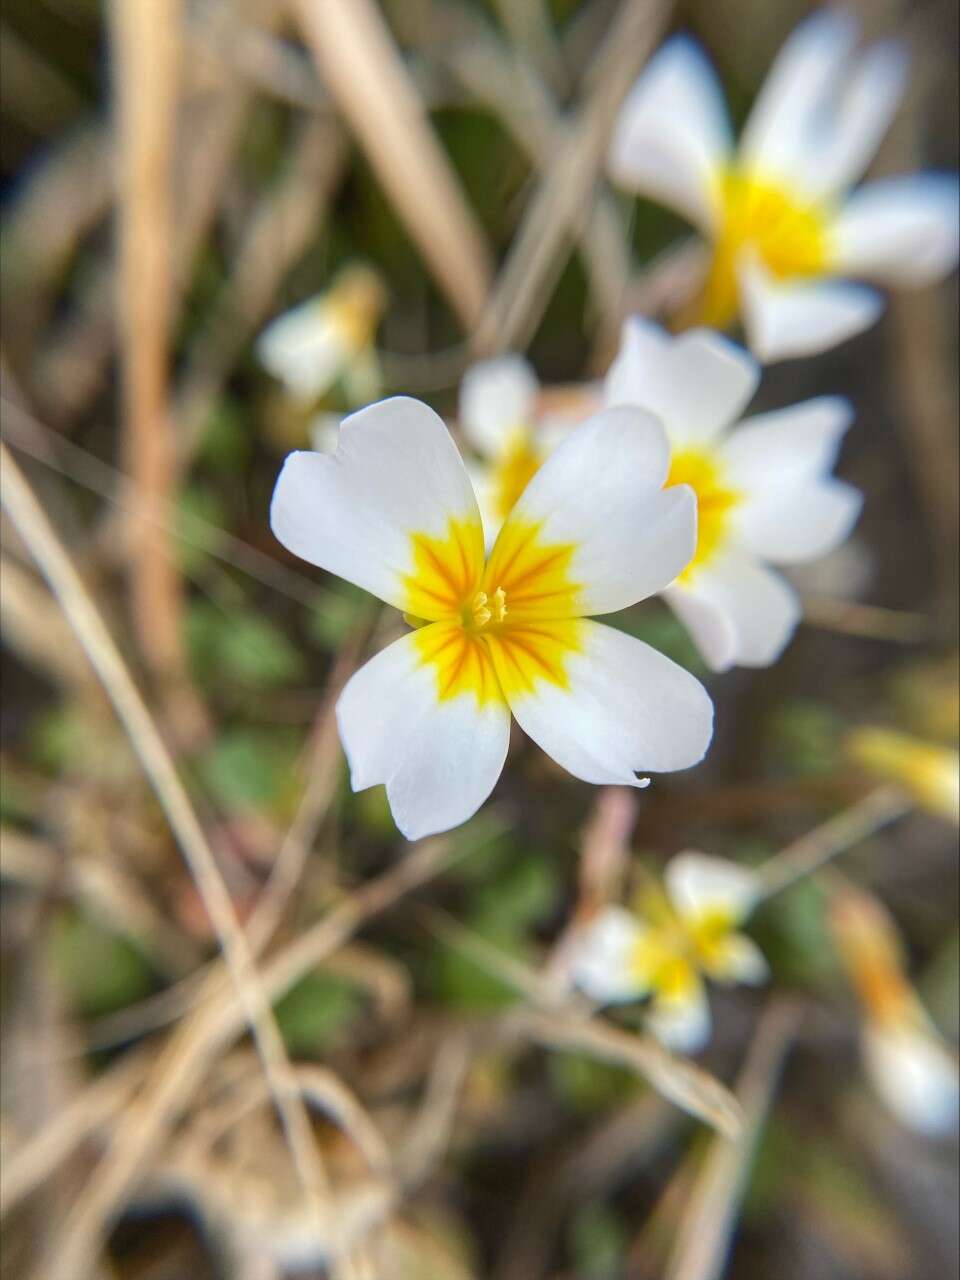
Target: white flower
pixel 764 492
pixel 912 1069
pixel 688 931
pixel 326 338
pixel 500 419
pixel 788 233
pixel 393 511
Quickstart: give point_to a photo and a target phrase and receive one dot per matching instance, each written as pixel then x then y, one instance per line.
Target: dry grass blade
pixel 682 1082
pixel 34 628
pixel 708 1222
pixel 137 1137
pixel 871 814
pixel 146 56
pixel 512 91
pixel 282 225
pixel 560 202
pixel 78 1242
pixel 105 890
pixel 365 74
pixel 551 1020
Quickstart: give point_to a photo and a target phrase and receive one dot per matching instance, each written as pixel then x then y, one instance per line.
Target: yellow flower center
pixel 674 948
pixel 788 234
pixel 715 502
pixel 513 471
pixel 494 631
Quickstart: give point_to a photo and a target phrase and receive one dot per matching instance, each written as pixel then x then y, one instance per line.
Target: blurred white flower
pixel 908 1063
pixel 329 337
pixel 689 930
pixel 930 772
pixel 393 511
pixel 788 232
pixel 764 492
pixel 500 417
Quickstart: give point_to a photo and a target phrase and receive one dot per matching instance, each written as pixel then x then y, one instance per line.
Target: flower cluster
pixel 651 482
pixel 682 932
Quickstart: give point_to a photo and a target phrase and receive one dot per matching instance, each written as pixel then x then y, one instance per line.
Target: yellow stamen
pixel 478 643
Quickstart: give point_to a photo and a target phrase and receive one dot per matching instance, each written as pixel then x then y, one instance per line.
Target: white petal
pixel 396 471
pixel 643 344
pixel 602 954
pixel 805 74
pixel 696 384
pixel 699 884
pixel 738 612
pixel 305 349
pixel 783 320
pixel 496 397
pixel 915 1074
pixel 682 1024
pixel 900 230
pixel 851 135
pixel 485 488
pixel 791 523
pixel 626 708
pixel 600 492
pixel 786 445
pixel 711 628
pixel 672 136
pixel 439 759
pixel 740 960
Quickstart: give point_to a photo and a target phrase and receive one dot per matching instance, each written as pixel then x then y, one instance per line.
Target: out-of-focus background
pixel 174 176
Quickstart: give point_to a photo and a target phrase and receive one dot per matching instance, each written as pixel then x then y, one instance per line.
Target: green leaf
pixel 251 769
pixel 227 443
pixel 240 646
pixel 598 1242
pixel 100 970
pixel 314 1012
pixel 337 615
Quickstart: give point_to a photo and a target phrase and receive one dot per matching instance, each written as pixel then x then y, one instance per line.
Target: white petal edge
pixel 672 136
pixel 915 1074
pixel 785 320
pixel 601 492
pixel 601 957
pixel 740 960
pixel 496 397
pixel 697 384
pixel 786 445
pixel 304 349
pixel 627 709
pixel 900 231
pixel 738 612
pixel 804 76
pixel 682 1024
pixel 790 524
pixel 851 133
pixel 699 883
pixel 395 471
pixel 438 759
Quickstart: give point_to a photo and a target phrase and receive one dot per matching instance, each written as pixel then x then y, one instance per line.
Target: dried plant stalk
pixel 362 68
pixel 708 1223
pixel 80 1234
pixel 146 38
